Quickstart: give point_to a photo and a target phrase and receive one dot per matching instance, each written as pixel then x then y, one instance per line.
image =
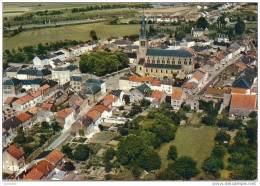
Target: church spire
pixel 143 28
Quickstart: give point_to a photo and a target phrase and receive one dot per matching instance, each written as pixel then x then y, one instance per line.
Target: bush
pixel 108 166
pixel 69 166
pixel 81 152
pixel 221 137
pixel 172 154
pixel 136 171
pixel 123 131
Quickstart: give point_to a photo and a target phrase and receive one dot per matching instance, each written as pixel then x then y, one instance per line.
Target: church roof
pixel 176 67
pixel 175 53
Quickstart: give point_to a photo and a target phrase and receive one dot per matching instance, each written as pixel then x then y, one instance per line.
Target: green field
pixel 74 32
pixel 191 141
pixel 103 137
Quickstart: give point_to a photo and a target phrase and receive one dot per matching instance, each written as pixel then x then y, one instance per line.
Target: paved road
pixel 59 140
pixel 216 75
pixel 58 23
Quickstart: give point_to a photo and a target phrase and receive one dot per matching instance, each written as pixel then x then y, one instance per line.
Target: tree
pixel 109 155
pixel 219 151
pixel 126 98
pixel 55 126
pixel 136 170
pixel 101 127
pixel 123 131
pixel 209 120
pixel 145 103
pixel 149 160
pixel 253 114
pixel 212 165
pixel 202 23
pixel 43 139
pixel 186 107
pixel 108 166
pixel 93 35
pixel 45 125
pixel 67 150
pixel 172 153
pixel 251 131
pixel 240 27
pixel 185 167
pixel 81 152
pixel 135 109
pixel 69 166
pixel 20 138
pixel 221 137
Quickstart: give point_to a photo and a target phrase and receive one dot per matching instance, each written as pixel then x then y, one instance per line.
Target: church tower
pixel 143 42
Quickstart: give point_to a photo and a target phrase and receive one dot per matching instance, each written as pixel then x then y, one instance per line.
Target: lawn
pixel 196 142
pixel 103 137
pixel 75 32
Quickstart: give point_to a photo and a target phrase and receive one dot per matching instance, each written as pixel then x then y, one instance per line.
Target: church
pixel 159 62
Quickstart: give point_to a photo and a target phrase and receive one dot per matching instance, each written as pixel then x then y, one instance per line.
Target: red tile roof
pixel 47 106
pixel 189 85
pixel 94 114
pixel 44 166
pixel 64 113
pixel 177 94
pixel 100 108
pixel 238 91
pixel 141 79
pixel 24 99
pixel 202 70
pixel 78 101
pixel 44 87
pixel 34 174
pixel 36 94
pixel 157 94
pixel 243 101
pixel 109 99
pixel 156 83
pixel 147 79
pixel 23 116
pixel 190 50
pixel 197 77
pixel 9 100
pixel 216 91
pixel 54 157
pixel 4 131
pixel 15 152
pixel 219 55
pixel 241 65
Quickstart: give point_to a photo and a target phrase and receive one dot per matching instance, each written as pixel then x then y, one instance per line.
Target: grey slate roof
pixel 244 79
pixel 96 81
pixel 76 78
pixel 12 82
pixel 174 67
pixel 35 72
pixel 36 81
pixel 42 57
pixel 58 53
pixel 92 89
pixel 116 93
pixel 12 122
pixel 86 120
pixel 12 69
pixel 143 88
pixel 174 53
pixel 72 67
pixel 143 33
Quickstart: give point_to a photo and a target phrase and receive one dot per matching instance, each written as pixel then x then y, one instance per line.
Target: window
pixel 140 68
pixel 190 63
pixel 185 62
pixel 142 43
pixel 161 71
pixel 158 61
pixel 173 62
pixel 151 70
pixel 168 62
pixel 153 61
pixel 179 62
pixel 163 61
pixel 166 71
pixel 148 60
pixel 156 71
pixel 146 70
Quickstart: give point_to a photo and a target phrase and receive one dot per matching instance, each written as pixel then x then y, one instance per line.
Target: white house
pixel 177 98
pixel 41 61
pixel 65 117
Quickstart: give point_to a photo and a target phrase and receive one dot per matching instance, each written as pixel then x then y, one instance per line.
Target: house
pixel 99 112
pixel 138 93
pixel 62 74
pixel 34 174
pixel 26 119
pixel 76 83
pixel 157 97
pixel 41 60
pixel 48 107
pixel 242 105
pixel 238 91
pixel 55 158
pixel 24 74
pixel 167 86
pixel 11 72
pixel 13 160
pixel 45 167
pixel 55 63
pixel 24 102
pixel 11 124
pixel 31 84
pixel 84 126
pixel 65 118
pixel 75 51
pixel 197 32
pixel 132 57
pixel 93 87
pixel 12 87
pixel 245 79
pixel 216 93
pixel 190 88
pixel 223 38
pixel 60 55
pixel 177 99
pixel 196 78
pixel 8 102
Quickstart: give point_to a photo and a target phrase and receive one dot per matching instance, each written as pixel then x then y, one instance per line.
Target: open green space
pixel 75 32
pixel 103 137
pixel 196 142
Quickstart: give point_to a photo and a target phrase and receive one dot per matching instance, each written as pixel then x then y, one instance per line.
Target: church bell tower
pixel 143 42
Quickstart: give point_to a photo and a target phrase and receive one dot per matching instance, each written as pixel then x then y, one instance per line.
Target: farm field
pixel 196 142
pixel 74 32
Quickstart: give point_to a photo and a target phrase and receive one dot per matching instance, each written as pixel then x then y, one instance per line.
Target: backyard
pixel 196 142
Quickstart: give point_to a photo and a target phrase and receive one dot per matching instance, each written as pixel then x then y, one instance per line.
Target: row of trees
pixel 102 62
pixel 80 153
